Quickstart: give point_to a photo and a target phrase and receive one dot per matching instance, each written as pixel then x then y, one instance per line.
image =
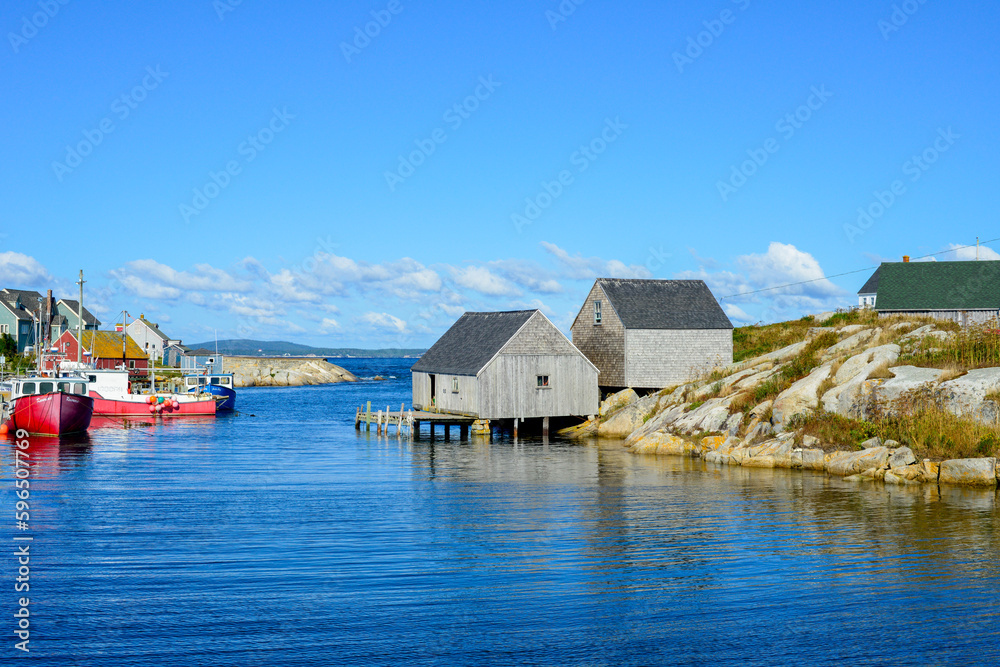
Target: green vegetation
pixel 918 420
pixel 757 339
pixel 8 346
pixel 972 347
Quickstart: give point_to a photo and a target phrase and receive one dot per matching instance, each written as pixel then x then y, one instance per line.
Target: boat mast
pixel 79 325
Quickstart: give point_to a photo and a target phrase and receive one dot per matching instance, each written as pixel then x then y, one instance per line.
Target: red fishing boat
pixel 112 398
pixel 49 406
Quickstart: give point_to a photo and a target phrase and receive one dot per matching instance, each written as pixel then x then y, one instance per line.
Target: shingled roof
pixel 871 286
pixel 88 317
pixel 471 342
pixel 939 286
pixel 108 345
pixel 664 304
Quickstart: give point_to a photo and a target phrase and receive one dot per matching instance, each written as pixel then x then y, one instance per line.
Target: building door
pixel 433 391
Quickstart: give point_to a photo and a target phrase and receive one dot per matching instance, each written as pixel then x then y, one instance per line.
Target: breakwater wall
pixel 284 371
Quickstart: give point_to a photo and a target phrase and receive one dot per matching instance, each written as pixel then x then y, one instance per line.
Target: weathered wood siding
pixel 658 358
pixel 962 317
pixel 604 343
pixel 464 401
pixel 508 386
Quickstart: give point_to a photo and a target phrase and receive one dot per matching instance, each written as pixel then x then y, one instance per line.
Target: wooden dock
pixel 411 419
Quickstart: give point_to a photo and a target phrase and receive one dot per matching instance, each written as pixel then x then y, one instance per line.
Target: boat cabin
pixel 41 385
pixel 203 381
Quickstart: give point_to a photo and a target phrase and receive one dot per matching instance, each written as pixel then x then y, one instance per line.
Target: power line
pixel 847 273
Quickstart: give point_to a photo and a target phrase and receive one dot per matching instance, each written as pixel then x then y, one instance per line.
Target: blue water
pixel 282 536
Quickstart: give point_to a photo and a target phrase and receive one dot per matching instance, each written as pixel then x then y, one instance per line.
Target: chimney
pixel 906 258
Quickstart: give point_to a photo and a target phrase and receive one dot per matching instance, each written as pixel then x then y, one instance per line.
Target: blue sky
pixel 269 170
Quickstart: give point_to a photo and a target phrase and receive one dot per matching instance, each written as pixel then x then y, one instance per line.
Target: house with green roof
pixel 963 292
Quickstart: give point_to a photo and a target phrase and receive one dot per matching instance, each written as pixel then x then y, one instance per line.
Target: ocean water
pixel 282 536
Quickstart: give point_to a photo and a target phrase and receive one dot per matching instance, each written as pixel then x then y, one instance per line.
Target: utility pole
pixel 79 325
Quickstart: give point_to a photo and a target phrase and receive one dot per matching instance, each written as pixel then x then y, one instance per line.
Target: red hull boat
pixel 55 413
pixel 112 398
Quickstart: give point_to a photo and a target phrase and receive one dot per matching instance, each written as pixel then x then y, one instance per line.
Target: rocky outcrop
pixel 969 472
pixel 616 402
pixel 627 419
pixel 801 396
pixel 284 371
pixel 701 418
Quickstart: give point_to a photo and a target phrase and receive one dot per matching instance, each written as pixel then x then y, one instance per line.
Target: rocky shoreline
pixel 703 419
pixel 284 371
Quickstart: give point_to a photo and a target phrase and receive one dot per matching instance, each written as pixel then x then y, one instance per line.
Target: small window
pixel 28 388
pixel 131 363
pixel 454 385
pixel 44 387
pixel 80 388
pixel 92 378
pixel 215 380
pixel 543 380
pixel 202 380
pixel 64 387
pixel 597 312
pixel 227 382
pixel 191 382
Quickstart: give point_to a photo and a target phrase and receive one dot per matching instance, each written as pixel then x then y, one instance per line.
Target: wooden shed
pixel 649 334
pixel 505 365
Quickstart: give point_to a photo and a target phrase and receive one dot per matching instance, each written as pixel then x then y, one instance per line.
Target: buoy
pixel 151 400
pixel 158 408
pixel 152 409
pixel 4 428
pixel 176 404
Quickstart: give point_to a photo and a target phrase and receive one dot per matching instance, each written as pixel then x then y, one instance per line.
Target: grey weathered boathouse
pixel 649 334
pixel 505 365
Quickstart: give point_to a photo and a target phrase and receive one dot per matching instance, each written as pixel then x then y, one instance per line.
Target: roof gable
pixel 871 285
pixel 74 307
pixel 151 327
pixel 472 342
pixel 939 286
pixel 664 304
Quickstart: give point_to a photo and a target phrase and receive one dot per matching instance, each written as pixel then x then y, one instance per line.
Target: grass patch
pixel 972 347
pixel 757 339
pixel 918 420
pixel 855 316
pixel 882 371
pixel 694 406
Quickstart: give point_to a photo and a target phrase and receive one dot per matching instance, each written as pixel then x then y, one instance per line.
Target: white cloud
pixel 801 285
pixel 967 253
pixel 385 321
pixel 529 275
pixel 589 268
pixel 328 325
pixel 734 312
pixel 150 279
pixel 20 271
pixel 484 281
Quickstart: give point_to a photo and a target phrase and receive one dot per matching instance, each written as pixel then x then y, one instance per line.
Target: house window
pixel 597 312
pixel 543 380
pixel 454 385
pixel 131 363
pixel 25 328
pixel 4 328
